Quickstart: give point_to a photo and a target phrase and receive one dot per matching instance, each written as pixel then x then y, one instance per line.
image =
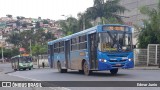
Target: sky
pixel 51 9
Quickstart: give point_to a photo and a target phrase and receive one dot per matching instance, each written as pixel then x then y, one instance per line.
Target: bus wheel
pixel 29 68
pixel 86 69
pixel 64 70
pixel 43 64
pixel 81 71
pixel 24 68
pixel 114 71
pixel 60 68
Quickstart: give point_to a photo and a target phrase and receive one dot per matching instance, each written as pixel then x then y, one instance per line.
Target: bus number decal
pixel 82 54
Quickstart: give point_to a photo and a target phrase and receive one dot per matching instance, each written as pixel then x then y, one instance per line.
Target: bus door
pixel 67 54
pixel 51 55
pixel 92 50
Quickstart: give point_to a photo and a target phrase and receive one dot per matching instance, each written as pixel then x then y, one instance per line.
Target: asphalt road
pixel 5 70
pixel 48 74
pixel 123 75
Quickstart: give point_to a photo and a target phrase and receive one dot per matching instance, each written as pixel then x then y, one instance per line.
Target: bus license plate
pixel 118 64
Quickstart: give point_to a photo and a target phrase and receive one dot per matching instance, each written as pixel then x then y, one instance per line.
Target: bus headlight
pixel 130 59
pixel 20 64
pixel 102 60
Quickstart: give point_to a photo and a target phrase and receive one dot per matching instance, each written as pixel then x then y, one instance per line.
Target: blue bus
pixel 103 47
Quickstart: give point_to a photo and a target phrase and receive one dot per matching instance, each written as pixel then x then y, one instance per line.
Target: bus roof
pixel 87 31
pixel 90 30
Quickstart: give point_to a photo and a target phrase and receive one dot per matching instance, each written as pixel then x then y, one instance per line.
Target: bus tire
pixel 43 65
pixel 24 68
pixel 81 71
pixel 114 71
pixel 64 70
pixel 29 68
pixel 60 68
pixel 86 69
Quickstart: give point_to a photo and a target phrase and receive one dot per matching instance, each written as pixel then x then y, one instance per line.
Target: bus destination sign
pixel 118 28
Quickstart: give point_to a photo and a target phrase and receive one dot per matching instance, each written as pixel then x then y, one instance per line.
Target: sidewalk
pixel 5 68
pixel 146 68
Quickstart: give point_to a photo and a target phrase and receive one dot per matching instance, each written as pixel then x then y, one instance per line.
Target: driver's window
pixel 106 43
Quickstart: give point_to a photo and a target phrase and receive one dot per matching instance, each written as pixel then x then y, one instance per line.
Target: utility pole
pixel 30 45
pixel 2 53
pixel 84 22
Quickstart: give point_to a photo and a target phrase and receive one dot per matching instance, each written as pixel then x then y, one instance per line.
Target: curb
pixel 6 72
pixel 9 72
pixel 145 68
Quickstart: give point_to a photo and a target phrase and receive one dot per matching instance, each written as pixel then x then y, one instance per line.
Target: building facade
pixel 132 15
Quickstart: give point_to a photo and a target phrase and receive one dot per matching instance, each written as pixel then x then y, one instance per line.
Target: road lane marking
pixel 54 88
pixel 24 77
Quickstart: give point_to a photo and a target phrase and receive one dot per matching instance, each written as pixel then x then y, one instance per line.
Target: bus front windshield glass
pixel 114 41
pixel 25 59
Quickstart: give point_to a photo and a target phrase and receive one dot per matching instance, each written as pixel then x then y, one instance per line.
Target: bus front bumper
pixel 109 66
pixel 25 67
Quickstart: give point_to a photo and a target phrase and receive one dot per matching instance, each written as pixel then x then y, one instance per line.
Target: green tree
pixel 69 26
pixel 15 39
pixel 37 25
pixel 25 37
pixel 20 17
pixel 151 32
pixel 83 21
pixel 8 53
pixel 9 15
pixel 39 50
pixel 106 10
pixel 49 36
pixel 45 22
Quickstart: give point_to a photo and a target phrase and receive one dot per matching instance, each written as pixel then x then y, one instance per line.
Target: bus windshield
pixel 115 41
pixel 25 60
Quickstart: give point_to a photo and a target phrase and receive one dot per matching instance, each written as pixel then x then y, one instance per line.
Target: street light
pixel 30 45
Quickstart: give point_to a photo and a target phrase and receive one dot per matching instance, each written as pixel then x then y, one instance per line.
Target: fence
pixel 140 57
pixel 41 60
pixel 147 57
pixel 153 54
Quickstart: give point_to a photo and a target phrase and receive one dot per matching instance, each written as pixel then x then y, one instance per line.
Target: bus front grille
pixel 118 60
pixel 117 65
